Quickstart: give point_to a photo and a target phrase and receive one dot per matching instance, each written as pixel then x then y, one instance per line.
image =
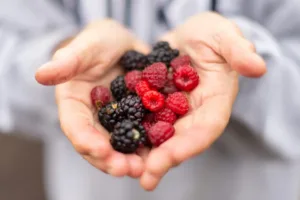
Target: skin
pixel 219 53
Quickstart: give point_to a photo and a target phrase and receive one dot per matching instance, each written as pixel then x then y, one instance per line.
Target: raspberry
pixel 156 75
pixel 148 121
pixel 141 88
pixel 100 96
pixel 133 60
pixel 128 136
pixel 153 100
pixel 186 78
pixel 132 108
pixel 108 116
pixel 180 61
pixel 118 88
pixel 178 103
pixel 169 87
pixel 132 78
pixel 160 132
pixel 166 115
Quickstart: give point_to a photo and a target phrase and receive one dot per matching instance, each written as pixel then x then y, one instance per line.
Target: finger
pixel 114 165
pixel 102 45
pixel 87 140
pixel 156 167
pixel 136 166
pixel 239 53
pixel 143 153
pixel 208 122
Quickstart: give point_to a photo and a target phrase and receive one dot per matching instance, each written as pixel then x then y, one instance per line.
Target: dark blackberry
pixel 108 116
pixel 161 45
pixel 162 55
pixel 128 136
pixel 131 107
pixel 133 60
pixel 118 88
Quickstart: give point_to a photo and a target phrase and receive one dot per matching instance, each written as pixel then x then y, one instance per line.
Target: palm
pixel 93 140
pixel 210 108
pixel 209 43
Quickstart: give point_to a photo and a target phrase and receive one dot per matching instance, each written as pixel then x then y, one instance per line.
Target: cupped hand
pixel 87 61
pixel 219 53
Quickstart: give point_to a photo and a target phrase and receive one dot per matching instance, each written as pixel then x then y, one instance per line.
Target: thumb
pixel 101 44
pixel 240 54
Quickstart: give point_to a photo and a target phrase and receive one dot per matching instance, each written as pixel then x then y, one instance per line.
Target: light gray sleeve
pixel 29 33
pixel 270 106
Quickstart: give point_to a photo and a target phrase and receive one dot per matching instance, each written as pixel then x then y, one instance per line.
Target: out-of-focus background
pixel 21 168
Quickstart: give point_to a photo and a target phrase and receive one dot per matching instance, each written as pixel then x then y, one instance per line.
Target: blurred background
pixel 21 168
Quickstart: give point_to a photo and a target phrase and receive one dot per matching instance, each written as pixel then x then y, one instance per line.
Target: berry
pixel 169 87
pixel 166 115
pixel 148 121
pixel 178 103
pixel 133 60
pixel 153 100
pixel 161 45
pixel 132 108
pixel 141 88
pixel 132 78
pixel 180 61
pixel 156 75
pixel 162 55
pixel 186 78
pixel 118 88
pixel 160 132
pixel 128 136
pixel 108 116
pixel 100 96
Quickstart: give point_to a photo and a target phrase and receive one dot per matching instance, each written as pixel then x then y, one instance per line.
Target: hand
pixel 87 61
pixel 219 52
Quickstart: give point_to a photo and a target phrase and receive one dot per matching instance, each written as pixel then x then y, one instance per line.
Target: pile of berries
pixel 147 100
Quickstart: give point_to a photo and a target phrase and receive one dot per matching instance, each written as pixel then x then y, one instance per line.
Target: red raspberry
pixel 178 103
pixel 186 78
pixel 132 78
pixel 166 115
pixel 153 100
pixel 141 88
pixel 148 121
pixel 100 96
pixel 156 75
pixel 160 132
pixel 180 61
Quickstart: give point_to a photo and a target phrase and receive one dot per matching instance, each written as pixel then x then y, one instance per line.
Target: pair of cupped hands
pixel 219 53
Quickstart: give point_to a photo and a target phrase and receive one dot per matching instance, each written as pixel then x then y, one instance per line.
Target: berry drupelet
pixel 128 136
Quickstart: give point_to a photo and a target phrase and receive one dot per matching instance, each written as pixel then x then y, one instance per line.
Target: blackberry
pixel 161 45
pixel 118 88
pixel 133 60
pixel 131 107
pixel 162 53
pixel 128 136
pixel 108 116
